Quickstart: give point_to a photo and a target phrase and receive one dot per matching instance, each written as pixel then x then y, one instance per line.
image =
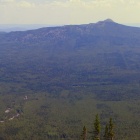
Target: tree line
pixel 96 133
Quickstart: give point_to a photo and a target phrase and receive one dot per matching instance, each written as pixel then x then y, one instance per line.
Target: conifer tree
pixel 84 134
pixel 110 130
pixel 97 128
pixel 106 133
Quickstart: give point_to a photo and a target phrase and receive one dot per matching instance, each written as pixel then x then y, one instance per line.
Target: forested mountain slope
pixel 80 69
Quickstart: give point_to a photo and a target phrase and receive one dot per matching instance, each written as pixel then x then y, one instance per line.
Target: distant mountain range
pixel 25 27
pixel 100 33
pixel 22 27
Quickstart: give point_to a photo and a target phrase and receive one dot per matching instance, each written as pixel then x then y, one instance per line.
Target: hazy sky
pixel 68 11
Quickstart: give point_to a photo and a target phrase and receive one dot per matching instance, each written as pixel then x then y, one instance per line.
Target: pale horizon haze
pixel 60 12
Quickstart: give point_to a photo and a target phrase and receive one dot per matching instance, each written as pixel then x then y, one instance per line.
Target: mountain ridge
pixel 95 33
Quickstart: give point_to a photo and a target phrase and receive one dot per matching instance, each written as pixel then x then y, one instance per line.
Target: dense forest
pixel 53 82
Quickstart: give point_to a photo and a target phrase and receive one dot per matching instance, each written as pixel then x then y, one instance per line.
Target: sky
pixel 60 12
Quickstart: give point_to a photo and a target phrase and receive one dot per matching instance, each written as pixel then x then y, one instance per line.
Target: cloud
pixel 25 4
pixel 68 3
pixel 61 2
pixel 9 0
pixel 6 1
pixel 17 3
pixel 68 11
